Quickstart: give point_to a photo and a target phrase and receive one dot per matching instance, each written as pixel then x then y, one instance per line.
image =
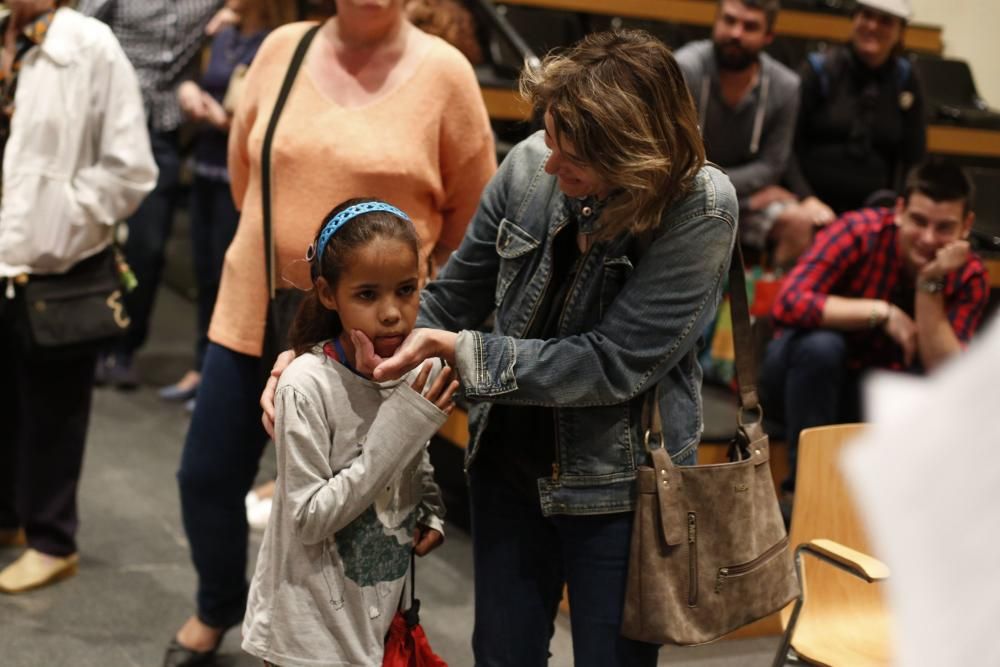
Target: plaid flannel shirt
pixel 162 39
pixel 857 257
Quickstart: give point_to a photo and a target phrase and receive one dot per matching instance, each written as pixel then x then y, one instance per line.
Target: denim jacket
pixel 631 321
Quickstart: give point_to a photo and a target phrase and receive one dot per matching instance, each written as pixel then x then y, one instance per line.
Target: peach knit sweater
pixel 425 146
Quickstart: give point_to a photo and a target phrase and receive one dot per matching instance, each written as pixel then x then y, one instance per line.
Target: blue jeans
pixel 148 231
pixel 213 224
pixel 805 382
pixel 218 465
pixel 522 559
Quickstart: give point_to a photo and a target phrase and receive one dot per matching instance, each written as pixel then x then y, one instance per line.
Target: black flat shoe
pixel 178 655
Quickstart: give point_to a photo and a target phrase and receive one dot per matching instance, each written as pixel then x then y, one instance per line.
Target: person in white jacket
pixel 76 158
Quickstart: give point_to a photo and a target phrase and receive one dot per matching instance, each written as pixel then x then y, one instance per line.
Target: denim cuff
pixel 485 364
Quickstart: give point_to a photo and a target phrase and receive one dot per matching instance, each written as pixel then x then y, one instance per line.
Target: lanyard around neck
pixel 337 353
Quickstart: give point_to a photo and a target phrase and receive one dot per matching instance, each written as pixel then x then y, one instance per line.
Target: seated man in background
pixel 747 106
pixel 895 289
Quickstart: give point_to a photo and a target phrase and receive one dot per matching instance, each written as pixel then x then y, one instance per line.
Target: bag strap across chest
pixel 265 159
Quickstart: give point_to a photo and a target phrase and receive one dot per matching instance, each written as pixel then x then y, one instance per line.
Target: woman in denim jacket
pixel 601 244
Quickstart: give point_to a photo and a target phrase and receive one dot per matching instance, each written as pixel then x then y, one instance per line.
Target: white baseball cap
pixel 898 8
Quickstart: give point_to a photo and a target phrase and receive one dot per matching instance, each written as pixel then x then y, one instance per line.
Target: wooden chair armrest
pixel 860 565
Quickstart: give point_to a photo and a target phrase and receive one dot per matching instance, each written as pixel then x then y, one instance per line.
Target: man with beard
pixel 747 106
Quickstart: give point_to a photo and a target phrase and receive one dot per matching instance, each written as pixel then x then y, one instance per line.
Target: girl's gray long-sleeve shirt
pixel 354 479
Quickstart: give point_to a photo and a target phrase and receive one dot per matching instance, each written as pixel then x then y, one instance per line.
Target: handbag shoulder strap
pixel 265 160
pixel 746 366
pixel 746 369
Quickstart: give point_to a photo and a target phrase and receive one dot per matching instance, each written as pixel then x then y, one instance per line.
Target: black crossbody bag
pixel 72 313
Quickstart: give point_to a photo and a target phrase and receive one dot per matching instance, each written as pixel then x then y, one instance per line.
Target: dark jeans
pixel 148 230
pixel 44 409
pixel 218 466
pixel 213 224
pixel 522 559
pixel 805 382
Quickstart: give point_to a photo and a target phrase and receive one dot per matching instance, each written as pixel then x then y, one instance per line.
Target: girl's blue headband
pixel 315 252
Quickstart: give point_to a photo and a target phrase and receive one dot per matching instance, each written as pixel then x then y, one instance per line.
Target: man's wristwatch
pixel 930 285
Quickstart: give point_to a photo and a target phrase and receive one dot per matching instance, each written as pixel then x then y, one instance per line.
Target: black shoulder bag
pixel 72 313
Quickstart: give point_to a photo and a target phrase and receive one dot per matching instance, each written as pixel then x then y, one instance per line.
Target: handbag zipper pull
pixel 10 288
pixel 721 579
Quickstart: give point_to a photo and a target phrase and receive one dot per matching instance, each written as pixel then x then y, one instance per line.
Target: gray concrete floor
pixel 135 583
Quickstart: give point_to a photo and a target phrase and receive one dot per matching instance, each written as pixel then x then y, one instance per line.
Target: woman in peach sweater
pixel 378 109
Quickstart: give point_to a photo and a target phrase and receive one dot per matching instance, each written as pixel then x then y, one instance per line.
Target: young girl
pixel 355 491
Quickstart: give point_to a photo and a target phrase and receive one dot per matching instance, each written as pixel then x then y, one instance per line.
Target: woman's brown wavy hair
pixel 620 99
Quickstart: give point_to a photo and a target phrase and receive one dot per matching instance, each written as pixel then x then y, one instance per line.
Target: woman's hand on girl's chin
pixel 420 345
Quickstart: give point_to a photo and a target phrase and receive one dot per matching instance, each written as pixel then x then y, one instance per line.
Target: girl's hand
pixel 267 396
pixel 421 344
pixel 426 540
pixel 441 391
pixel 365 359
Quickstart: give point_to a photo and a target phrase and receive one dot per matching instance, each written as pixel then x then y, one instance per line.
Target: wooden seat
pixel 841 618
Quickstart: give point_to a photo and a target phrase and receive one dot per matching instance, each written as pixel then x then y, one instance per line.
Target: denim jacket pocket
pixel 514 246
pixel 615 274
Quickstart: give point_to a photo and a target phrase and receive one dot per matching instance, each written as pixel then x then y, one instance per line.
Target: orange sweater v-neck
pixel 425 146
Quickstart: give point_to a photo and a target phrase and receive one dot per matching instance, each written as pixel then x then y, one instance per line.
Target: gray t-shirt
pixel 752 140
pixel 354 479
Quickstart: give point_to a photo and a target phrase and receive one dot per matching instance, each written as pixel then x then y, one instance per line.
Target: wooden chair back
pixel 844 620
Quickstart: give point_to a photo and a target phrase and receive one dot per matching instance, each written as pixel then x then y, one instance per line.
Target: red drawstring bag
pixel 406 644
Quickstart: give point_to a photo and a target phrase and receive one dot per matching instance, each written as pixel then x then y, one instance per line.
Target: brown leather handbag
pixel 709 550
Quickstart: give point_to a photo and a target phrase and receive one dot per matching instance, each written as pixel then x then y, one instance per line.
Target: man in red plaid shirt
pixel 895 289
